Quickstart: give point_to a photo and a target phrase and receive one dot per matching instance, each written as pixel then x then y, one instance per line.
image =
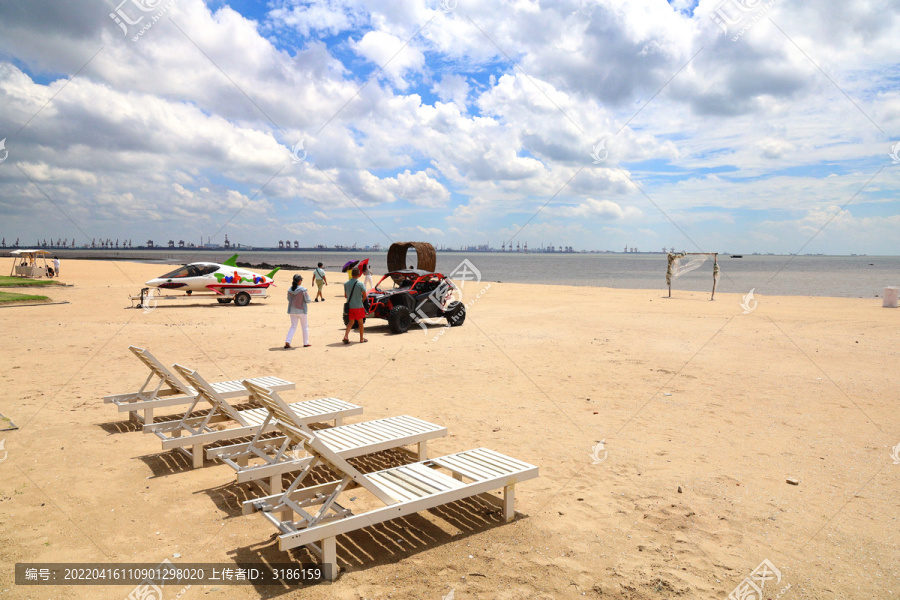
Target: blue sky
pixel 478 124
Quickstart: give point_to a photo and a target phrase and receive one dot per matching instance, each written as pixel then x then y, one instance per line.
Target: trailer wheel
pixel 223 300
pixel 242 299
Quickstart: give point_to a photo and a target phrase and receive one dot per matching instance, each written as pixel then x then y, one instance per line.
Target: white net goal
pixel 685 262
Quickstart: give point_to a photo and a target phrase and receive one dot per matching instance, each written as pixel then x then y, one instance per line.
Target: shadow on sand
pixel 171 462
pixel 371 546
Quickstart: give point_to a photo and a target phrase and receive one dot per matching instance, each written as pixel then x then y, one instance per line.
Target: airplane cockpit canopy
pixel 193 270
pixel 204 269
pixel 179 272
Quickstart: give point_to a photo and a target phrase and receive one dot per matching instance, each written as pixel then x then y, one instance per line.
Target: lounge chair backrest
pixel 160 370
pixel 207 392
pixel 299 433
pixel 293 428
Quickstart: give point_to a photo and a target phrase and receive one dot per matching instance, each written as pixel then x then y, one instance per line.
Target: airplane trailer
pixel 240 295
pixel 226 282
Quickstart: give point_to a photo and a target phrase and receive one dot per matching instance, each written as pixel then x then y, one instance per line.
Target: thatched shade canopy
pixel 426 256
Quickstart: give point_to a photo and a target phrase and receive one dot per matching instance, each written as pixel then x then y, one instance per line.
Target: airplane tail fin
pixel 271 274
pixel 231 262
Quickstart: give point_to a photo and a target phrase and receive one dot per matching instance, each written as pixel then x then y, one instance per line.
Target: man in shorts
pixel 354 292
pixel 319 277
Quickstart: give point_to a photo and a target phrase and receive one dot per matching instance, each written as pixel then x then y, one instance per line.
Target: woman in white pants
pixel 298 301
pixel 368 280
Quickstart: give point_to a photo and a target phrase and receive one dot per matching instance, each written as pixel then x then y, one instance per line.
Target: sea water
pixel 840 276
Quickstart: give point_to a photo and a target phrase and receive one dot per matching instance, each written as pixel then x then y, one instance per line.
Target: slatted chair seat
pixel 272 457
pixel 191 434
pixel 403 490
pixel 169 390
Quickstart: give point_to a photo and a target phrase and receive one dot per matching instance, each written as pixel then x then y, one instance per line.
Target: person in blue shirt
pixel 355 292
pixel 298 303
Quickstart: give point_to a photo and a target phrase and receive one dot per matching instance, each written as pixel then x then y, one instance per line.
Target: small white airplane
pixel 227 280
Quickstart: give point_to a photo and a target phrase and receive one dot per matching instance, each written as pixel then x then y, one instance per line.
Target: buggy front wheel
pixel 455 314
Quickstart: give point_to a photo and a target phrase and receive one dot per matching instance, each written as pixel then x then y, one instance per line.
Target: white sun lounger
pixel 243 423
pixel 275 456
pixel 404 490
pixel 170 391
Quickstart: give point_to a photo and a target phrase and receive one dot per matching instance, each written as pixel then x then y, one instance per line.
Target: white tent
pixel 26 263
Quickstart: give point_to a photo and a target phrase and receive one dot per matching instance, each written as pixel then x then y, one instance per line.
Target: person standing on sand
pixel 355 292
pixel 298 301
pixel 368 271
pixel 319 277
pixel 56 265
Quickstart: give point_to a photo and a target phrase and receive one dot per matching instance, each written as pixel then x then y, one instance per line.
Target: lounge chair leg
pixel 509 503
pixel 423 450
pixel 148 416
pixel 275 488
pixel 242 461
pixel 338 420
pixel 329 558
pixel 197 453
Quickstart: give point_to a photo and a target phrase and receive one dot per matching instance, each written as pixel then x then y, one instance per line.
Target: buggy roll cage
pixel 406 276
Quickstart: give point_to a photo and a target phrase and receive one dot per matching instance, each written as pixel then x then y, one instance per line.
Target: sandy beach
pixel 704 413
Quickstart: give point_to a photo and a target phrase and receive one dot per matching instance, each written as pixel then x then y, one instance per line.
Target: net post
pixel 715 274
